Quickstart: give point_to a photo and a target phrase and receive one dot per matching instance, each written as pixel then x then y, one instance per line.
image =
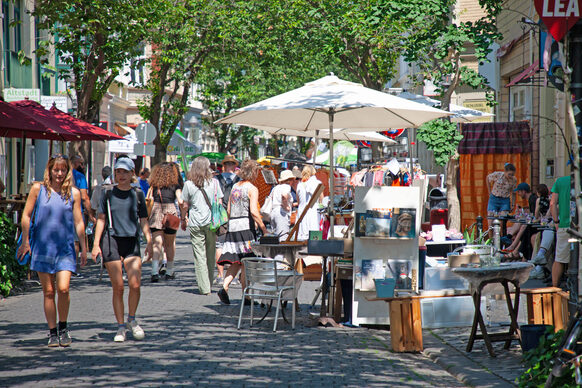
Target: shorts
pixel 166 230
pixel 562 246
pixel 113 248
pixel 498 204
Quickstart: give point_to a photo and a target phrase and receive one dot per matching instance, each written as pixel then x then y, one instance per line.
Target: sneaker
pixel 136 331
pixel 223 296
pixel 163 269
pixel 78 275
pixel 537 273
pixel 170 277
pixel 120 336
pixel 53 341
pixel 218 281
pixel 539 259
pixel 65 338
pixel 155 278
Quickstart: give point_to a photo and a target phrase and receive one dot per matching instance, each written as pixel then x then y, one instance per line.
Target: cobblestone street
pixel 192 340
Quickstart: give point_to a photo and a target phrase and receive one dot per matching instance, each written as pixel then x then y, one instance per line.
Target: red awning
pixel 525 74
pixel 102 133
pixel 15 122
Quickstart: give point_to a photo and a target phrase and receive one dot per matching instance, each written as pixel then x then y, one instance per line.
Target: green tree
pixel 94 40
pixel 436 43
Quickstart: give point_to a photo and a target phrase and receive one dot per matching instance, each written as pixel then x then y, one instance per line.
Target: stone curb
pixel 460 366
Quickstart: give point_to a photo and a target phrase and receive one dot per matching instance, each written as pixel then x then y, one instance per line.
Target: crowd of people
pixel 126 211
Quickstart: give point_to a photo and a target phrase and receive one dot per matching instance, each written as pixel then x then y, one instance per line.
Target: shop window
pixel 519 101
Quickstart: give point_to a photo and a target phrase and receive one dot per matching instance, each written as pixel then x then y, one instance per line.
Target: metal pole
pixel 331 212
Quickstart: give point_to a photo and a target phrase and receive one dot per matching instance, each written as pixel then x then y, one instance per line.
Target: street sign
pixel 145 132
pixel 144 149
pixel 558 15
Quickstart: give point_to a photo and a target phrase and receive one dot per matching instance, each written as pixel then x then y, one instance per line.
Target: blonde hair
pixel 200 171
pixel 67 183
pixel 308 172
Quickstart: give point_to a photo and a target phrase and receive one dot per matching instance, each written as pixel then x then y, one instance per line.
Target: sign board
pixel 145 132
pixel 59 101
pixel 558 15
pixel 13 94
pixel 144 149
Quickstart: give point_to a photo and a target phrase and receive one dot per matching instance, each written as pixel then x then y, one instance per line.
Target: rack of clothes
pixel 385 175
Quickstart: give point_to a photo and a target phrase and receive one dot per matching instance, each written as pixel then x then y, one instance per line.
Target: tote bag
pixel 219 217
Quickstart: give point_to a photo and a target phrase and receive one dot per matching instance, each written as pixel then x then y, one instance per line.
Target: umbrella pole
pixel 331 176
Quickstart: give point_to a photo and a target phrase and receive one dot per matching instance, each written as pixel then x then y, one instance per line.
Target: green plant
pixel 471 239
pixel 11 273
pixel 538 363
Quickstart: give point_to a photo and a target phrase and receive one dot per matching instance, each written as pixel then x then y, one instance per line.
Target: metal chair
pixel 265 281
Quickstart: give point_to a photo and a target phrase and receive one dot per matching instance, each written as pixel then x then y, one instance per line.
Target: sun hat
pixel 286 174
pixel 229 159
pixel 125 164
pixel 523 186
pixel 296 172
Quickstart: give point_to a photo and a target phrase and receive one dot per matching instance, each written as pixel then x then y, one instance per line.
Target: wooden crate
pixel 405 324
pixel 548 306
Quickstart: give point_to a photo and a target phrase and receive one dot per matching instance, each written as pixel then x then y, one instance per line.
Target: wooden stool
pixel 406 324
pixel 548 306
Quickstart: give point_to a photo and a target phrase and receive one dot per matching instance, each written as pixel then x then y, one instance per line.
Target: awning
pixel 525 74
pixel 122 128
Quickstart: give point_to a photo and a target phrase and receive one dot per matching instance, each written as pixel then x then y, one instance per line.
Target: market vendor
pixel 501 186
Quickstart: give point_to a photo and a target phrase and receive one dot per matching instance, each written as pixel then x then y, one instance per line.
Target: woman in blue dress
pixel 52 241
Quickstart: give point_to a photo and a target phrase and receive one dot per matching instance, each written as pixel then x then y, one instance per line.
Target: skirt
pixel 158 212
pixel 237 244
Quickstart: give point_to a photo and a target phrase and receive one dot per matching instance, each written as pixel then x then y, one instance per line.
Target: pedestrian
pixel 518 234
pixel 166 189
pixel 227 178
pixel 282 205
pixel 200 190
pixel 305 190
pixel 501 186
pixel 121 211
pixel 243 212
pixel 80 182
pixel 57 219
pixel 98 191
pixel 560 209
pixel 144 175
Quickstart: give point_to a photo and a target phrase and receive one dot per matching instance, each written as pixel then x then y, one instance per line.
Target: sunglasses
pixel 61 156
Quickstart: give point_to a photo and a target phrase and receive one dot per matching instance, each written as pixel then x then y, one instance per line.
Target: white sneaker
pixel 136 331
pixel 537 272
pixel 539 259
pixel 120 336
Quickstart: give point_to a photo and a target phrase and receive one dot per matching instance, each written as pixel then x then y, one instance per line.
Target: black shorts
pixel 166 230
pixel 114 248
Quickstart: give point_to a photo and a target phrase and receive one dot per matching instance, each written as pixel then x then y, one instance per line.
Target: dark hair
pixel 144 170
pixel 542 190
pixel 510 167
pixel 106 172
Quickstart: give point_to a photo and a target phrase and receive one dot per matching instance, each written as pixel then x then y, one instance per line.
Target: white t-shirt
pixel 278 192
pixel 199 213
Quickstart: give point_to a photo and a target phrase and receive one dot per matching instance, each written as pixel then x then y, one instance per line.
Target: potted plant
pixel 476 242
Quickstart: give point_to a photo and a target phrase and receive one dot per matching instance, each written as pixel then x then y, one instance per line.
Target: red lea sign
pixel 558 15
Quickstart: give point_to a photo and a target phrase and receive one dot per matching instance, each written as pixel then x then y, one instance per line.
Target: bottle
pixel 90 227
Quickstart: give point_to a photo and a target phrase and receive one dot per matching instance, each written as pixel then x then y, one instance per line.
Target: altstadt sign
pixel 558 15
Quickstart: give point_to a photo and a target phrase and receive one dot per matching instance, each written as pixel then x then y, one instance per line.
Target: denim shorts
pixel 498 204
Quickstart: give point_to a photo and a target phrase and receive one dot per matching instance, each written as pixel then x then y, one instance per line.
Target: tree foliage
pixel 442 137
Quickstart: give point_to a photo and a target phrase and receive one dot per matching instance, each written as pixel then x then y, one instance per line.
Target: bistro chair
pixel 265 279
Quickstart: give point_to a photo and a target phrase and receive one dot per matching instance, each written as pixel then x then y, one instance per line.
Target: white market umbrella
pixel 338 134
pixel 331 102
pixel 460 113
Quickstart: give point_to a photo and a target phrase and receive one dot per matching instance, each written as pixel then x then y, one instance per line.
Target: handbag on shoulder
pixel 170 221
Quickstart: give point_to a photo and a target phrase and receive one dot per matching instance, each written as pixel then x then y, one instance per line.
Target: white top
pixel 305 191
pixel 278 192
pixel 199 213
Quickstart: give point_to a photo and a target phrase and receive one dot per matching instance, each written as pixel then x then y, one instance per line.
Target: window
pixel 519 102
pixel 137 68
pixel 17 26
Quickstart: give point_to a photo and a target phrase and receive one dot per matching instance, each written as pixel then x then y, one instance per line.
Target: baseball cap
pixel 125 164
pixel 523 186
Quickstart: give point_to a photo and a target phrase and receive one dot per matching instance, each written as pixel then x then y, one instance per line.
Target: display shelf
pixel 365 311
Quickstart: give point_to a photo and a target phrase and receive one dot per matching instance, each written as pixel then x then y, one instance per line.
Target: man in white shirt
pixel 282 202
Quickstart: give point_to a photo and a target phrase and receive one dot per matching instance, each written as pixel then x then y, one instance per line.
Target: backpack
pixel 226 186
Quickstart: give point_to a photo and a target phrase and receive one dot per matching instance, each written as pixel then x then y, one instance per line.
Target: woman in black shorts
pixel 121 211
pixel 166 189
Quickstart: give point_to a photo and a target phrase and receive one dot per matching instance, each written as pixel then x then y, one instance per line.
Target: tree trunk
pixel 452 197
pixel 160 154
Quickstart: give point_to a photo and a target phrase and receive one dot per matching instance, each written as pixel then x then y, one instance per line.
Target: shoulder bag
pixel 219 217
pixel 150 201
pixel 267 207
pixel 170 221
pixel 24 260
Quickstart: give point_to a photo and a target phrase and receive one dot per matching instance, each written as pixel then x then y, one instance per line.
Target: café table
pixel 287 250
pixel 503 220
pixel 504 274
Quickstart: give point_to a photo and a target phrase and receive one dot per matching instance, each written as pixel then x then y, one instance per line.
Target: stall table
pixel 437 248
pixel 514 273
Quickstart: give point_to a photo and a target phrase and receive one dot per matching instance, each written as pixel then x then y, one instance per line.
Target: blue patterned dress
pixel 52 238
